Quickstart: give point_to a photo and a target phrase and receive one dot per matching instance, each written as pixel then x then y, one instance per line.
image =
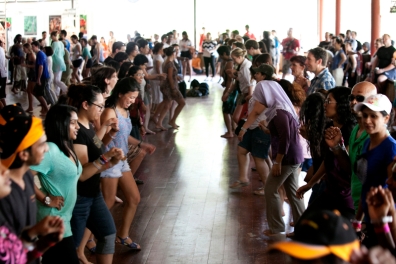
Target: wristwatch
pixel 47 200
pixel 243 129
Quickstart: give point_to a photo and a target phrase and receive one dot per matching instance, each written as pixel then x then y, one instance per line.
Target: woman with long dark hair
pixel 58 173
pixel 313 122
pixel 337 193
pixel 31 74
pixel 90 210
pixel 105 78
pixel 123 95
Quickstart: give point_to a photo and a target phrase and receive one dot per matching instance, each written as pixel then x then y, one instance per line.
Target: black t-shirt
pixel 324 44
pixel 87 137
pixel 19 207
pixel 385 55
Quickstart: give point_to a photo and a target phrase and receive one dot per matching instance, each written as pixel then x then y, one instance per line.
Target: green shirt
pixel 86 53
pixel 58 176
pixel 355 149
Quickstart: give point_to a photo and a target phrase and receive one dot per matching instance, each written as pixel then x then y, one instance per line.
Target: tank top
pixel 121 138
pixel 76 54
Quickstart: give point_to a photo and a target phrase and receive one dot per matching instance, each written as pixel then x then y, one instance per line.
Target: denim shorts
pixel 256 142
pixel 92 213
pixel 306 165
pixel 117 170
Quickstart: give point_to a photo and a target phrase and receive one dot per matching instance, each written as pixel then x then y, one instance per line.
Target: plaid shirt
pixel 324 80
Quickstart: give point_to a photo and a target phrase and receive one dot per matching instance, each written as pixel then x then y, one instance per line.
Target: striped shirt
pixel 208 47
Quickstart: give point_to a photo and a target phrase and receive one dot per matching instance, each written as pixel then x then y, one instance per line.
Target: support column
pixel 320 14
pixel 338 17
pixel 375 22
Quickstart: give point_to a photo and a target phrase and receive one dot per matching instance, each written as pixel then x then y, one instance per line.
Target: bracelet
pixel 243 129
pixel 101 161
pixel 383 220
pixel 104 158
pixel 382 229
pixel 96 165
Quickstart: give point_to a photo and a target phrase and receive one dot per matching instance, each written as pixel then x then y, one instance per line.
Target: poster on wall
pixel 83 24
pixel 55 24
pixel 30 25
pixel 9 23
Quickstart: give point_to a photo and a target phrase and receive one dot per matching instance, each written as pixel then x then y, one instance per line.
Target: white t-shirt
pixel 184 44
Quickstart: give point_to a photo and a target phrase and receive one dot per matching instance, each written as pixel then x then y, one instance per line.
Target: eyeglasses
pixel 140 74
pixel 100 106
pixel 359 98
pixel 327 101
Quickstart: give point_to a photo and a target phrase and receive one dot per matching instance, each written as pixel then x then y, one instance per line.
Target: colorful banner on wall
pixel 9 23
pixel 3 31
pixel 30 25
pixel 55 24
pixel 83 24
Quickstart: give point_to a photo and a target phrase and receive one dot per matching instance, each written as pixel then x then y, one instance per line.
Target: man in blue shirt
pixel 316 63
pixel 42 77
pixel 63 34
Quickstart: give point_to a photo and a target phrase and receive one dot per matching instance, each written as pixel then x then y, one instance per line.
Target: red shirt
pixel 250 35
pixel 290 46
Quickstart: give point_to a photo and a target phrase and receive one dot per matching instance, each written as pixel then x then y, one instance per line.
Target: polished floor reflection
pixel 187 212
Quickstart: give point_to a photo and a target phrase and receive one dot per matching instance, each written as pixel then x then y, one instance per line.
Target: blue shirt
pixel 41 60
pixel 372 166
pixel 336 59
pixel 67 45
pixel 324 80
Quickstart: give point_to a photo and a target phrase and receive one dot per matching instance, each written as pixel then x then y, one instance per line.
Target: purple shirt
pixel 285 138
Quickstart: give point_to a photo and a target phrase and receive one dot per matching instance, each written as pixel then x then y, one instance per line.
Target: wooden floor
pixel 187 212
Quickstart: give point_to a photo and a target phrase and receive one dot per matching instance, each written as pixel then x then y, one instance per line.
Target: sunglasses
pixel 358 98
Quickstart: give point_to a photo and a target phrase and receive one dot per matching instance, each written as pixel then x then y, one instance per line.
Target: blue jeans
pixel 92 213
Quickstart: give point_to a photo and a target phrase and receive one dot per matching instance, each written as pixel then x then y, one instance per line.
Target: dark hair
pixel 262 58
pixel 142 43
pixel 251 44
pixel 239 45
pixel 298 59
pixel 120 56
pixel 235 32
pixel 319 54
pixel 224 49
pixel 73 37
pixel 114 64
pixel 49 51
pixel 245 38
pixel 157 47
pixel 312 114
pixel 57 123
pixel 262 47
pixel 184 33
pixel 296 94
pixel 117 46
pixel 79 93
pixel 35 43
pixel 98 78
pixel 43 32
pixel 230 42
pixel 384 113
pixel 84 40
pixel 344 113
pixel 163 37
pixel 81 35
pixel 339 40
pixel 133 70
pixel 342 35
pixel 63 32
pixel 124 69
pixel 169 51
pixel 140 59
pixel 54 33
pixel 122 87
pixel 130 47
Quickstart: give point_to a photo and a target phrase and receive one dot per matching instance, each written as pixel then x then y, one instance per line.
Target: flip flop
pixel 239 184
pixel 259 191
pixel 92 249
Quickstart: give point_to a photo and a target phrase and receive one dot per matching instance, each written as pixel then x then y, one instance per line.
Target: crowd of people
pixel 337 127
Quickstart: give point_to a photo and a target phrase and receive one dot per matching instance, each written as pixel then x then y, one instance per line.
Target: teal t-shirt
pixel 86 53
pixel 58 176
pixel 355 149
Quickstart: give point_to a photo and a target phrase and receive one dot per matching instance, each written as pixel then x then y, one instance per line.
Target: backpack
pixel 194 93
pixel 194 84
pixel 204 89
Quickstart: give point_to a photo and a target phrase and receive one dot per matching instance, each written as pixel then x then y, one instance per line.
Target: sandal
pixel 259 191
pixel 92 249
pixel 134 246
pixel 239 184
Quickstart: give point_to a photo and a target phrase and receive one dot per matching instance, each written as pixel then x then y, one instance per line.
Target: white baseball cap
pixel 376 102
